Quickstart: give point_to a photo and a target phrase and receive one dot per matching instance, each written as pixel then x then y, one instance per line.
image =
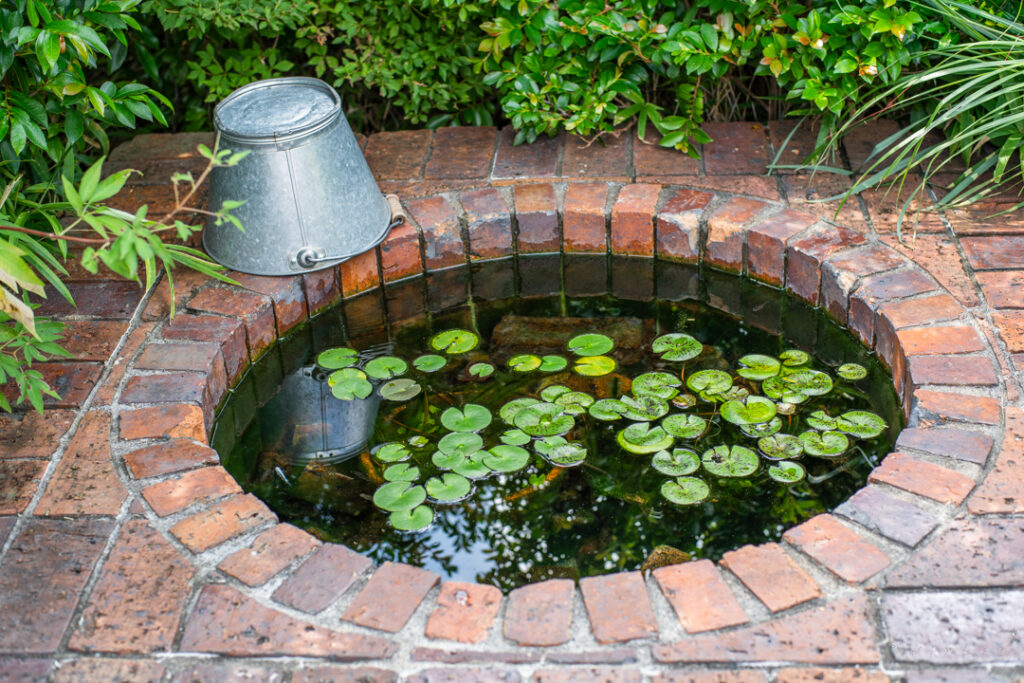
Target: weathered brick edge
pixel 891 304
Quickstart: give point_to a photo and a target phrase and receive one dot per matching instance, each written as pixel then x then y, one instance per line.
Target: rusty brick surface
pixel 177 455
pixel 771 575
pixel 700 596
pixel 839 549
pixel 540 614
pixel 726 235
pixel 536 208
pixel 322 578
pixel 178 420
pixel 390 597
pixel 632 220
pixel 465 612
pixel 197 486
pixel 268 554
pixel 678 225
pixel 618 607
pixel 583 218
pixel 221 522
pixel 923 478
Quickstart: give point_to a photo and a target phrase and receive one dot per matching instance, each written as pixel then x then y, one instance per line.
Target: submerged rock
pixel 517 334
pixel 662 556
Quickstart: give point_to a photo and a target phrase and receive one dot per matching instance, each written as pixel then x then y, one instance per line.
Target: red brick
pixel 221 522
pixel 738 148
pixel 619 607
pixel 994 252
pixel 583 218
pixel 632 224
pixel 931 340
pixel 1002 491
pixel 700 597
pixel 961 407
pixel 952 370
pixel 46 567
pixel 606 158
pixel 707 676
pixel 797 146
pixel 805 254
pixel 880 288
pixel 196 486
pixel 597 674
pixel 901 314
pixel 840 274
pixel 152 146
pixel 268 554
pixel 454 656
pixel 460 674
pixel 839 632
pixel 180 420
pixel 322 288
pixel 465 612
pixel 939 256
pixel 1003 289
pixel 652 160
pixel 771 575
pixel 923 478
pixel 489 224
pixel 1010 327
pixel 84 482
pixel 839 549
pixel 359 273
pixel 762 187
pixel 18 670
pixel 92 339
pixel 228 672
pixel 816 675
pixel 257 312
pixel 186 283
pixel 725 232
pixel 766 244
pixel 390 597
pixel 889 516
pixel 322 578
pixel 537 218
pixel 822 194
pixel 540 614
pixel 678 225
pixel 226 622
pixel 72 381
pixel 397 154
pixel 205 358
pixel 949 442
pixel 168 387
pixel 228 333
pixel 177 455
pixel 400 254
pixel 861 140
pixel 286 293
pixel 621 655
pixel 338 674
pixel 538 159
pixel 31 435
pixel 111 299
pixel 96 669
pixel 18 482
pixel 139 597
pixel 442 232
pixel 461 152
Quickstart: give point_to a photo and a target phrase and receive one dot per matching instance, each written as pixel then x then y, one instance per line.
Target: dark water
pixel 604 516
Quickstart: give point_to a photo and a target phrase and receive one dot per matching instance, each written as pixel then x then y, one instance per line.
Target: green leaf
pixel 787 472
pixel 780 446
pixel 685 491
pixel 676 463
pixel 709 382
pixel 730 461
pixel 393 451
pixel 861 424
pixel 463 443
pixel 417 519
pixel 758 367
pixel 824 445
pixel 543 419
pixel 401 472
pixel 594 366
pixel 400 390
pixel 471 418
pixel 553 364
pixel 506 458
pixel 481 370
pixel 397 496
pixel 590 344
pixel 524 363
pixel 349 384
pixel 559 452
pixel 454 342
pixel 684 426
pixel 677 347
pixel 752 410
pixel 508 411
pixel 449 487
pixel 386 367
pixel 641 438
pixel 514 437
pixel 429 363
pixel 662 385
pixel 852 371
pixel 574 402
pixel 334 359
pixel 608 409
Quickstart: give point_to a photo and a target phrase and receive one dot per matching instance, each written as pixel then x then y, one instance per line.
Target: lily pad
pixel 543 419
pixel 794 358
pixel 506 458
pixel 386 367
pixel 392 451
pixel 709 382
pixel 752 410
pixel 787 472
pixel 643 408
pixel 663 385
pixel 774 387
pixel 349 384
pixel 676 463
pixel 397 496
pixel 550 393
pixel 449 487
pixel 559 452
pixel 335 359
pixel 454 341
pixel 684 426
pixel 730 461
pixel 402 471
pixel 685 491
pixel 417 441
pixel 508 411
pixel 810 382
pixel 552 363
pixel 852 371
pixel 590 344
pixel 608 409
pixel 677 347
pixel 733 393
pixel 473 467
pixel 526 362
pixel 861 424
pixel 481 370
pixel 471 418
pixel 400 389
pixel 417 519
pixel 575 402
pixel 514 437
pixel 763 429
pixel 447 461
pixel 642 438
pixel 430 362
pixel 758 367
pixel 684 401
pixel 780 446
pixel 594 366
pixel 824 445
pixel 464 443
pixel 821 421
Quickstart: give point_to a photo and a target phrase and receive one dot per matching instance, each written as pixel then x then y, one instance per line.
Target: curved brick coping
pixel 800 600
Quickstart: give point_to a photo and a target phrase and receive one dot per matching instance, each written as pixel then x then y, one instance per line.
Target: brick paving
pixel 128 553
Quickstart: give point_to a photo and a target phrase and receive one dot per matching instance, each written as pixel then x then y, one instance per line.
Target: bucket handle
pixel 309 257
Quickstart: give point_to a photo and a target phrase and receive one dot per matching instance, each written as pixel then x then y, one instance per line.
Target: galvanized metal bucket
pixel 311 200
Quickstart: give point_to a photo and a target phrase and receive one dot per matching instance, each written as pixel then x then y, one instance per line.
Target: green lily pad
pixel 787 472
pixel 821 421
pixel 774 387
pixel 591 344
pixel 481 370
pixel 643 408
pixel 794 358
pixel 810 382
pixel 447 461
pixel 473 467
pixel 684 426
pixel 525 362
pixel 852 371
pixel 508 411
pixel 676 463
pixel 386 367
pixel 402 471
pixel 514 437
pixel 550 393
pixel 392 451
pixel 454 341
pixel 471 418
pixel 709 382
pixel 397 496
pixel 861 424
pixel 825 445
pixel 685 491
pixel 349 384
pixel 417 519
pixel 430 362
pixel 730 461
pixel 417 441
pixel 594 366
pixel 762 429
pixel 449 487
pixel 684 401
pixel 733 393
pixel 641 438
pixel 677 347
pixel 780 447
pixel 559 452
pixel 575 402
pixel 752 410
pixel 663 385
pixel 400 389
pixel 335 359
pixel 543 419
pixel 506 458
pixel 464 443
pixel 553 363
pixel 758 367
pixel 608 409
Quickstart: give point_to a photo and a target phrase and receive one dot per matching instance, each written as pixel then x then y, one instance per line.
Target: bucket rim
pixel 287 134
